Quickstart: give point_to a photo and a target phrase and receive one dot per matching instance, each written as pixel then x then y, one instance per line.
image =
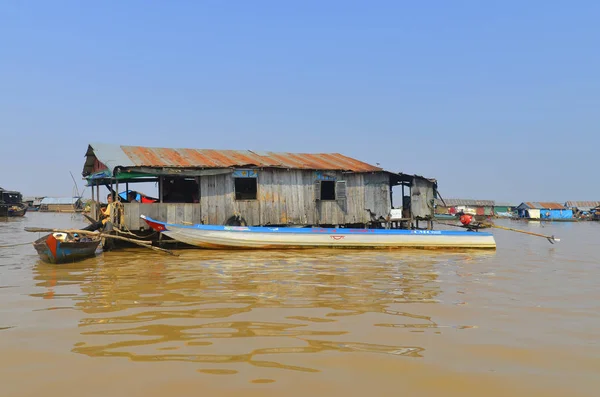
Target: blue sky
pixel 497 100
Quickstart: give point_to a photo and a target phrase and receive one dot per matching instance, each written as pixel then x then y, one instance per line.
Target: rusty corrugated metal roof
pixel 207 158
pixel 465 202
pixel 544 205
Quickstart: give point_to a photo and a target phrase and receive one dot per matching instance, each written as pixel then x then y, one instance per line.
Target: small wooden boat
pixel 227 237
pixel 65 248
pixel 17 210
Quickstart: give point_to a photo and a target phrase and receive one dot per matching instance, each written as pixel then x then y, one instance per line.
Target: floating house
pixel 582 208
pixel 61 204
pixel 33 203
pixel 476 207
pixel 243 187
pixel 544 210
pixel 503 209
pixel 596 213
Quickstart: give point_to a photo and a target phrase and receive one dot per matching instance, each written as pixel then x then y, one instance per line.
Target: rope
pixel 15 245
pixel 126 231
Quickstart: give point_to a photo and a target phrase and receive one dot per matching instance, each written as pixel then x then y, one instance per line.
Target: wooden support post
pixel 94 213
pixel 112 189
pixel 410 207
pixel 97 214
pixel 199 189
pixel 160 188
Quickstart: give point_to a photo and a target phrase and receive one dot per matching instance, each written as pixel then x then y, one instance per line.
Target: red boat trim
pixel 52 244
pixel 155 226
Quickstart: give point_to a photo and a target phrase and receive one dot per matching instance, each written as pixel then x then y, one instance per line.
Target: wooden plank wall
pixel 171 212
pixel 377 194
pixel 284 197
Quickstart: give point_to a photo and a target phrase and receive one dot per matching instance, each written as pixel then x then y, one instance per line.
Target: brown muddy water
pixel 523 320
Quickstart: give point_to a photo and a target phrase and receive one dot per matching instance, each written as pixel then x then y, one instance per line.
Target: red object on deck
pixel 466 219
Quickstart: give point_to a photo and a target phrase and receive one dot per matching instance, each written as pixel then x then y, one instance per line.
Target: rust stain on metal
pixel 545 205
pixel 208 158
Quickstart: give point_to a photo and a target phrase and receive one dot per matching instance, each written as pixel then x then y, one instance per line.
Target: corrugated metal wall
pixel 284 197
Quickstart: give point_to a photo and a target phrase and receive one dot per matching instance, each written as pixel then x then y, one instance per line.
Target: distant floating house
pixel 33 203
pixel 503 209
pixel 544 210
pixel 452 206
pixel 61 204
pixel 596 213
pixel 582 207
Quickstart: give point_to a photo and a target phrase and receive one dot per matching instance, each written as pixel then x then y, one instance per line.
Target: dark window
pixel 180 190
pixel 245 188
pixel 327 190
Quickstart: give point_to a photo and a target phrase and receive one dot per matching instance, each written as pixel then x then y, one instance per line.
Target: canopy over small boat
pixel 227 237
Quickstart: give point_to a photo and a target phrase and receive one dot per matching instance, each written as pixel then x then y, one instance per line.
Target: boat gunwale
pixel 313 230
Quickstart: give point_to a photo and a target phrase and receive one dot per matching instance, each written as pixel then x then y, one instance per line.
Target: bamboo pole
pixel 551 239
pixel 141 243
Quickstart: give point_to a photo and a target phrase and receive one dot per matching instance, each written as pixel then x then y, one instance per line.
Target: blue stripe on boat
pixel 312 230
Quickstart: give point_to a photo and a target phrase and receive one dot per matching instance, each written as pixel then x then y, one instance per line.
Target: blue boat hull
pixel 54 251
pixel 236 237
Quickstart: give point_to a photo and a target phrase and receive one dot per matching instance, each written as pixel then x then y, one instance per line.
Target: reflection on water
pixel 147 307
pixel 516 321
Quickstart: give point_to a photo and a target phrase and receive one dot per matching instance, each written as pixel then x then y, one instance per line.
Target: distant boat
pixel 259 237
pixel 11 203
pixel 65 248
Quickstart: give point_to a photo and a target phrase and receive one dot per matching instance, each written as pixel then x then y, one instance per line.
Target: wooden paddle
pixel 89 218
pixel 141 243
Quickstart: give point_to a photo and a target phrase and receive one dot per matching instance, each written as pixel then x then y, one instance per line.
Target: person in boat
pixel 132 196
pixel 468 221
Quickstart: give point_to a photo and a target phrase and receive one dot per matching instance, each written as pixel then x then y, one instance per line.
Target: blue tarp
pixel 126 192
pixel 556 214
pixel 549 214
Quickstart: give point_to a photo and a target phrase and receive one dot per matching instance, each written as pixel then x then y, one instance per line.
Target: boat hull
pixel 236 237
pixel 54 251
pixel 12 210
